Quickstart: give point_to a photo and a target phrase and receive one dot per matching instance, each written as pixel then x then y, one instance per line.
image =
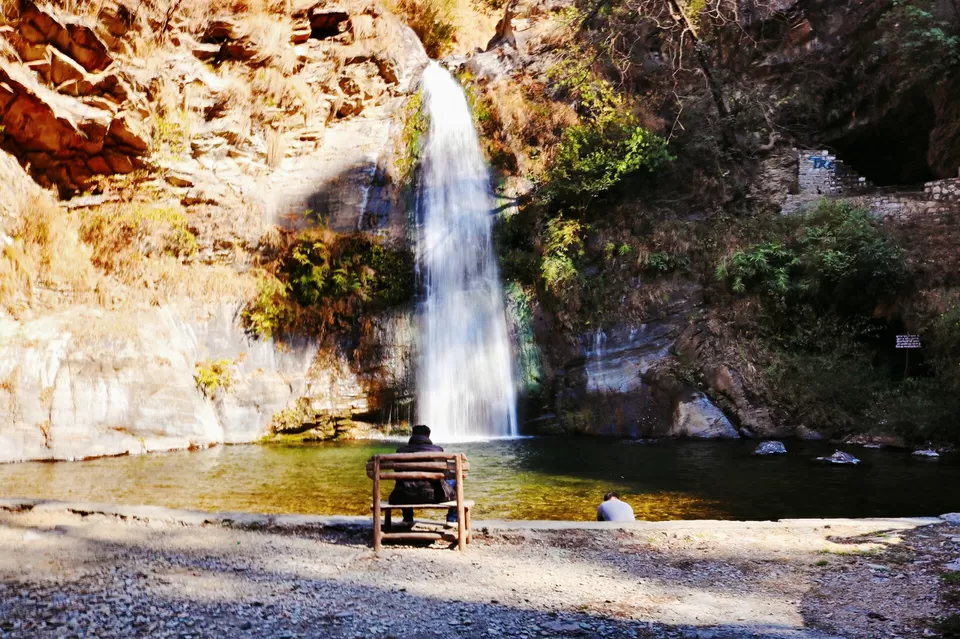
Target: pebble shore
pixel 71 572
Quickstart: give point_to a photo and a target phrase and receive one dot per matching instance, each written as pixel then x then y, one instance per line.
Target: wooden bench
pixel 418 466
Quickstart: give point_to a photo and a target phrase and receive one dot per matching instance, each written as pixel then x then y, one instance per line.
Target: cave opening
pixel 892 150
pixel 328 24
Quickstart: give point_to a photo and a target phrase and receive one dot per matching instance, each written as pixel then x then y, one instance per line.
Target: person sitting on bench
pixel 423 491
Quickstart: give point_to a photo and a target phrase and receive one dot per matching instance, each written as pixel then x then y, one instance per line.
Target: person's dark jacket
pixel 421 491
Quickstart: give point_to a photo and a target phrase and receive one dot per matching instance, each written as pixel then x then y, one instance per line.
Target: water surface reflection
pixel 538 478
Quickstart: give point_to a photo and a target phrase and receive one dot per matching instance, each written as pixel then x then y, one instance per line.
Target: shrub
pixel 595 157
pixel 838 259
pixel 214 375
pixel 563 243
pixel 120 235
pixel 433 21
pixel 270 311
pixel 46 250
pixel 411 140
pixel 319 280
pixel 663 262
pixel 918 40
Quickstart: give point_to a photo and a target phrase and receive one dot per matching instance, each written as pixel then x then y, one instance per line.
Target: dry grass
pixel 363 26
pixel 7 50
pixel 121 235
pixel 165 279
pixel 276 147
pixel 44 251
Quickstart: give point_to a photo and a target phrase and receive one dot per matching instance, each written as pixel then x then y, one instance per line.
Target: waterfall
pixel 465 380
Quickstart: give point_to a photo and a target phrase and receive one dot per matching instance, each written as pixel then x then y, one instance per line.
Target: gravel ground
pixel 64 574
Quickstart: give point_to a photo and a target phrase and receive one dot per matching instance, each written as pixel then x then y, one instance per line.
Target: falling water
pixel 466 386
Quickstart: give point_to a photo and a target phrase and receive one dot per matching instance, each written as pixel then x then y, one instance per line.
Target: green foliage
pixel 411 139
pixel 595 97
pixel 172 132
pixel 837 259
pixel 213 375
pixel 434 22
pixel 528 357
pixel 322 280
pixel 270 311
pixel 942 335
pixel 918 40
pixel 595 157
pixel 516 253
pixel 663 262
pixel 562 244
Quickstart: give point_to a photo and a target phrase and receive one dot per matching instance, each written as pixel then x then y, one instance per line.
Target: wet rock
pixel 839 457
pixel 808 434
pixel 770 448
pixel 926 452
pixel 951 518
pixel 698 417
pixel 873 440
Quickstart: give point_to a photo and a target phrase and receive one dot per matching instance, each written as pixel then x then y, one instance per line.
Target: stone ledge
pixel 256 520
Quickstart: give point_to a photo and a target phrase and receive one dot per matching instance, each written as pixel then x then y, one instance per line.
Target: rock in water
pixel 840 457
pixel 770 448
pixel 698 417
pixel 926 452
pixel 951 518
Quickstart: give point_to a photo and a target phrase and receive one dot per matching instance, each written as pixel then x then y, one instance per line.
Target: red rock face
pixel 62 114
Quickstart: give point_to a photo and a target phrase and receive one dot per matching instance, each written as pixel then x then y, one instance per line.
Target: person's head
pixel 611 495
pixel 421 430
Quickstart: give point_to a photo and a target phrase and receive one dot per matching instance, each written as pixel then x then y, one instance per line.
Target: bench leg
pixel 466 523
pixel 376 506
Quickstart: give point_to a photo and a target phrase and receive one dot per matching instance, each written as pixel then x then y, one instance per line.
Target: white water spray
pixel 465 383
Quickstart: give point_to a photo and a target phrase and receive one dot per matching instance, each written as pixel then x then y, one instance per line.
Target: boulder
pixel 770 448
pixel 840 457
pixel 698 417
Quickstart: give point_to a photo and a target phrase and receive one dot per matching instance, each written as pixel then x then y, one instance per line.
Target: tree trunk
pixel 680 16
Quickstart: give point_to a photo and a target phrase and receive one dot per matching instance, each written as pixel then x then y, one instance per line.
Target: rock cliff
pixel 178 141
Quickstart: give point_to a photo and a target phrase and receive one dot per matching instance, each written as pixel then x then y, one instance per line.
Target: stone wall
pixel 943 190
pixel 821 174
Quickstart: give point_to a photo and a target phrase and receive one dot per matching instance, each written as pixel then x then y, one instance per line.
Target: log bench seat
pixel 419 466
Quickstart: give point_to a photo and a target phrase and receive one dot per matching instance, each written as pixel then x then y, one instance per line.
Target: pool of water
pixel 536 478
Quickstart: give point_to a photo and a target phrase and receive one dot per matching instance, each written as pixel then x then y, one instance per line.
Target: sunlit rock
pixel 770 448
pixel 839 457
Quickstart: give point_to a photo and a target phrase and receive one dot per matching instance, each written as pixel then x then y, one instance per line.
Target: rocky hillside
pixel 645 153
pixel 182 149
pixel 206 232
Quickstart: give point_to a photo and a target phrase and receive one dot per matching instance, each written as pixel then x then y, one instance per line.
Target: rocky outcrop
pixel 697 417
pixel 87 383
pixel 737 387
pixel 66 114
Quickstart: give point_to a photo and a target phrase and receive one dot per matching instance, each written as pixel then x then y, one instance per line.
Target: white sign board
pixel 908 341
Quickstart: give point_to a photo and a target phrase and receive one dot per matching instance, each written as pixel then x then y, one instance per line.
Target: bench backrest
pixel 417 466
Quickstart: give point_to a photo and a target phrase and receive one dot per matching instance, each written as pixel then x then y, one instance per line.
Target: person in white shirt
pixel 612 509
